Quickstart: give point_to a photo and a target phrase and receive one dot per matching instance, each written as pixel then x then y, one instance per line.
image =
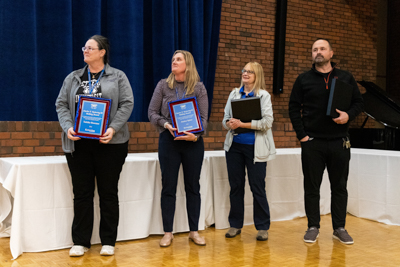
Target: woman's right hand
pixel 234 123
pixel 170 129
pixel 71 134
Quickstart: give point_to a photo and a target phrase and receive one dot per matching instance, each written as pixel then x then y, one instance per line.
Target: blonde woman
pixel 188 150
pixel 251 151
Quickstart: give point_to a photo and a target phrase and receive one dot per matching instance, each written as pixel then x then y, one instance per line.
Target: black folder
pixel 339 97
pixel 246 110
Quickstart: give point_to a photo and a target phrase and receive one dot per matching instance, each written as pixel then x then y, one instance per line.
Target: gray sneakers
pixel 342 235
pixel 311 235
pixel 262 235
pixel 232 232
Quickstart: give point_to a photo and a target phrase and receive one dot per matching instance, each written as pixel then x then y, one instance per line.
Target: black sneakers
pixel 311 235
pixel 342 235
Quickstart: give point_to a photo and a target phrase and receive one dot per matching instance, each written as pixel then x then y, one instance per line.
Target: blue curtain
pixel 40 44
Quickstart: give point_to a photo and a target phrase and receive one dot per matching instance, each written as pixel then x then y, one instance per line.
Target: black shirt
pixel 84 86
pixel 309 101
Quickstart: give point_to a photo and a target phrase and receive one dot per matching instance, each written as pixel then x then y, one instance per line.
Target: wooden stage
pixel 375 244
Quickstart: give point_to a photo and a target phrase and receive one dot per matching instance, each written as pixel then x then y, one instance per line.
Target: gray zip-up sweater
pixel 115 86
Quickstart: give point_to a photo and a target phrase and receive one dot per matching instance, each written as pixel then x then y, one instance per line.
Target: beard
pixel 320 60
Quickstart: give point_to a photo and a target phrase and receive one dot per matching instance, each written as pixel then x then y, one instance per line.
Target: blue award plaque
pixel 91 118
pixel 185 116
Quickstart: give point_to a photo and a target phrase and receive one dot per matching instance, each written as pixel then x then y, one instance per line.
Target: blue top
pixel 249 137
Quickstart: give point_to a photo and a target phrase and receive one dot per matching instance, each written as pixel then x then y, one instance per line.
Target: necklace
pixel 91 86
pixel 94 75
pixel 177 95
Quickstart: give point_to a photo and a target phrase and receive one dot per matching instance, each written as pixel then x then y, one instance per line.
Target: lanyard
pixel 327 79
pixel 177 95
pixel 91 87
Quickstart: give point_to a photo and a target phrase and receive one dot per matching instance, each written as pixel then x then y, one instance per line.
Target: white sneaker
pixel 107 250
pixel 77 251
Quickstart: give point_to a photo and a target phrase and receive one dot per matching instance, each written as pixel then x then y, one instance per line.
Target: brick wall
pixel 247 34
pixel 31 138
pixel 393 66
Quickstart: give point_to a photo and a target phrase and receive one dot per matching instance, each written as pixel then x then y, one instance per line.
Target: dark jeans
pixel 101 162
pixel 315 156
pixel 238 158
pixel 171 155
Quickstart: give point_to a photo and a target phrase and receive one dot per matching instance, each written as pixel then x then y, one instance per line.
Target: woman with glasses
pixel 92 159
pixel 188 149
pixel 249 150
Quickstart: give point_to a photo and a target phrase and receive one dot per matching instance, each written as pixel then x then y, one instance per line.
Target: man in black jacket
pixel 324 140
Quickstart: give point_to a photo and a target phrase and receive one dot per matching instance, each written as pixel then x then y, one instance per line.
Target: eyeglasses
pixel 248 71
pixel 88 48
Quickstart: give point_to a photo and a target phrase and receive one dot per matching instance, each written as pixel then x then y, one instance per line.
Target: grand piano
pixel 378 105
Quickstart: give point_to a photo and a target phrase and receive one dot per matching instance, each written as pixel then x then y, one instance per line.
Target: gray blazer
pixel 115 86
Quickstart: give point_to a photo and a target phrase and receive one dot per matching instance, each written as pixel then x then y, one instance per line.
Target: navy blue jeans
pixel 238 158
pixel 101 162
pixel 171 155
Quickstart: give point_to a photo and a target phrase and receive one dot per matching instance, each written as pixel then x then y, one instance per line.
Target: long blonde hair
pixel 191 75
pixel 259 82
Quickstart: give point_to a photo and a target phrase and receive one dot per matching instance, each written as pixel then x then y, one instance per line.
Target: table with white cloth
pixel 36 193
pixel 43 201
pixel 284 188
pixel 373 187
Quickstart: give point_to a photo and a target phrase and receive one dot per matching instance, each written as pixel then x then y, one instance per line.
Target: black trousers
pixel 316 155
pixel 238 158
pixel 171 155
pixel 92 161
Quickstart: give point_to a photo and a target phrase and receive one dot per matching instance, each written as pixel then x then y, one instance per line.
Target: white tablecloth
pixel 284 187
pixel 43 201
pixel 42 207
pixel 374 185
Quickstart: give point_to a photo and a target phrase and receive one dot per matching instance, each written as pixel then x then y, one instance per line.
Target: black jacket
pixel 309 100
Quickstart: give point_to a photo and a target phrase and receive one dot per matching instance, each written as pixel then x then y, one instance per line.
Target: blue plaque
pixel 91 119
pixel 185 116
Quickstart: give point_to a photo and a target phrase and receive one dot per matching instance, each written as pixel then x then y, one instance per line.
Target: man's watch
pixel 195 139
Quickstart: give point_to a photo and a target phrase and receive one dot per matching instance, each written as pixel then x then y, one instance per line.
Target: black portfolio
pixel 339 97
pixel 246 110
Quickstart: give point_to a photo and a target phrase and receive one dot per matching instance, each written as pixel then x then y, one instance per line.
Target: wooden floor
pixel 375 244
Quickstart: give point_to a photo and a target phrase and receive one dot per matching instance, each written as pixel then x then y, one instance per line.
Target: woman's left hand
pixel 187 137
pixel 107 136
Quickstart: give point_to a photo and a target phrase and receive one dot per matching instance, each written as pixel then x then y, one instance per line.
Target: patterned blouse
pixel 158 109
